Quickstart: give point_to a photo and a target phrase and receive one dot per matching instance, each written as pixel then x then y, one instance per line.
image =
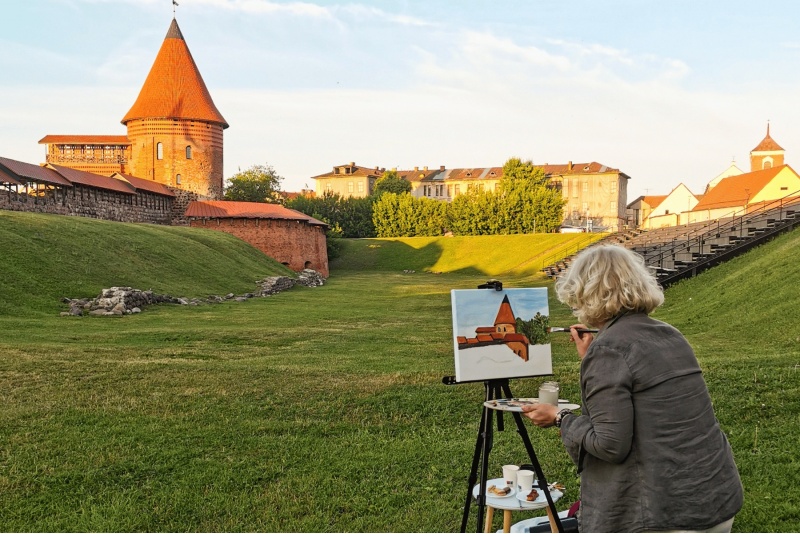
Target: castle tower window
pixel 188 152
pixel 178 179
pixel 160 151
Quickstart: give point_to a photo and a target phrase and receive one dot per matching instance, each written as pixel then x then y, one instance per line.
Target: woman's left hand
pixel 542 415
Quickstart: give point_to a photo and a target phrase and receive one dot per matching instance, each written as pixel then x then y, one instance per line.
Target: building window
pixel 586 186
pixel 178 179
pixel 614 186
pixel 350 187
pixel 456 190
pixel 188 152
pixel 329 186
pixel 361 187
pixel 613 206
pixel 449 191
pixel 160 151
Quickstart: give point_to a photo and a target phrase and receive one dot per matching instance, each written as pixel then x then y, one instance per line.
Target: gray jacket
pixel 648 447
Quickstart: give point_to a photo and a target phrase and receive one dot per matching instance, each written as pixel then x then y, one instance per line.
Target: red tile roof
pixel 576 168
pixel 84 140
pixel 355 170
pixel 736 190
pixel 34 172
pixel 654 200
pixel 505 315
pixel 146 185
pixel 93 180
pixel 496 173
pixel 767 144
pixel 174 88
pixel 226 209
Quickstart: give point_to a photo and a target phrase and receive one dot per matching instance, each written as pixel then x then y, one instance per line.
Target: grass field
pixel 322 409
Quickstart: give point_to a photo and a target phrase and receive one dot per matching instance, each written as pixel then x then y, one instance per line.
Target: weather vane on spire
pixel 174 5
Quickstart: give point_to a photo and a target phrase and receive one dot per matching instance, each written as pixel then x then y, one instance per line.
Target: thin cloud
pixel 362 11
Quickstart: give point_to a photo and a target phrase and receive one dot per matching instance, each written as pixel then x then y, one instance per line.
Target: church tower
pixel 766 155
pixel 174 128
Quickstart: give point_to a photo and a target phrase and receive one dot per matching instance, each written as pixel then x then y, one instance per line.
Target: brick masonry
pixel 294 243
pixel 78 200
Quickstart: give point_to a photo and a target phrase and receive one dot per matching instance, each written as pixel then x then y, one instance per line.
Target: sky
pixel 666 91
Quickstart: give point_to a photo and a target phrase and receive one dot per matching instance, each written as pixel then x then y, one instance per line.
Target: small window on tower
pixel 178 179
pixel 160 151
pixel 188 152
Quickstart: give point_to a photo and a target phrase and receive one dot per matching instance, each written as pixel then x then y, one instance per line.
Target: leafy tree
pixel 528 202
pixel 391 182
pixel 352 215
pixel 333 242
pixel 535 329
pixel 473 213
pixel 259 183
pixel 403 215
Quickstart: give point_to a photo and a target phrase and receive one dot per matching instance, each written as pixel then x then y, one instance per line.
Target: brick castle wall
pixel 295 244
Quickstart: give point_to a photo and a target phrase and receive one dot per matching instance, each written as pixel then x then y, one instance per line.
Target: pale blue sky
pixel 479 307
pixel 666 91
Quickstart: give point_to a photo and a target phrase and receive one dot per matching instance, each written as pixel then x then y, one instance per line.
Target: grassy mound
pixel 519 255
pixel 48 257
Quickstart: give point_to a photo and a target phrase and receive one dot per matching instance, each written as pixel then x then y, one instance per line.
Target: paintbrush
pixel 581 331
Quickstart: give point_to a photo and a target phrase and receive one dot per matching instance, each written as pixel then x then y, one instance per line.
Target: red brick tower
pixel 174 128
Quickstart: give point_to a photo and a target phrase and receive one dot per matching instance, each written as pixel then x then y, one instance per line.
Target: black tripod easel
pixel 496 389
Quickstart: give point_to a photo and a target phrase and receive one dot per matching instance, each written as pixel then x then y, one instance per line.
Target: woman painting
pixel 649 450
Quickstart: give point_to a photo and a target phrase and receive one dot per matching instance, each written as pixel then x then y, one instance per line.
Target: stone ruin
pixel 126 300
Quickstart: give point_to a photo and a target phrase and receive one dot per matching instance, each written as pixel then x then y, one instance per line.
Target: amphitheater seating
pixel 679 252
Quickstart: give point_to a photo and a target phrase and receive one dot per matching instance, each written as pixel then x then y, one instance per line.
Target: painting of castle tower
pixel 500 334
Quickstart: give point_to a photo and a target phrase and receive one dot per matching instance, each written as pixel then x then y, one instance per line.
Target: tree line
pixel 523 202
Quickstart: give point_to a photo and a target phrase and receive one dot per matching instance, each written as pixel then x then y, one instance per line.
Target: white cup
pixel 524 481
pixel 510 475
pixel 548 393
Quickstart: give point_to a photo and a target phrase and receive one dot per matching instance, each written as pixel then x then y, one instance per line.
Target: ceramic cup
pixel 510 475
pixel 524 481
pixel 548 393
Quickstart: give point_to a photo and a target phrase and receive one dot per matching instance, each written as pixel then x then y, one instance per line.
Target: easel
pixel 497 389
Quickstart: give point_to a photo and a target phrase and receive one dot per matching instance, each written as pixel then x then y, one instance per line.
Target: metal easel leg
pixel 537 468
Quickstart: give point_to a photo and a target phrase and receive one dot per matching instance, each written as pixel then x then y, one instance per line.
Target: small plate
pixel 515 404
pixel 496 496
pixel 522 497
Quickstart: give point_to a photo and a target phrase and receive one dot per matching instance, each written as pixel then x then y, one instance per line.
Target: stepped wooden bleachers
pixel 679 252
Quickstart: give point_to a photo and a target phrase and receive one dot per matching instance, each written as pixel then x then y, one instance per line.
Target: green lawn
pixel 322 409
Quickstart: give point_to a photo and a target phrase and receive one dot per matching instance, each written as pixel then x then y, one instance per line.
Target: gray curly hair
pixel 606 280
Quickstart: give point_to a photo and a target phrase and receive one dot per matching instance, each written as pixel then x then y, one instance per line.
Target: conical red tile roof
pixel 767 144
pixel 505 315
pixel 174 88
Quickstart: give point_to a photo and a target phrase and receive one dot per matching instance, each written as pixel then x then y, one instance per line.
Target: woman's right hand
pixel 582 341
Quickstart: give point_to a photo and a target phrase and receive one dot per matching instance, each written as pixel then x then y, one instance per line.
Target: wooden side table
pixel 513 504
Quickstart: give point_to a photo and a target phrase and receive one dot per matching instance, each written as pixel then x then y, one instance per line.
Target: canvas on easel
pixel 500 334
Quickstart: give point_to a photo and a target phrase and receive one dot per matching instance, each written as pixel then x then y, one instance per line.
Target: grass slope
pixel 516 255
pixel 322 409
pixel 48 257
